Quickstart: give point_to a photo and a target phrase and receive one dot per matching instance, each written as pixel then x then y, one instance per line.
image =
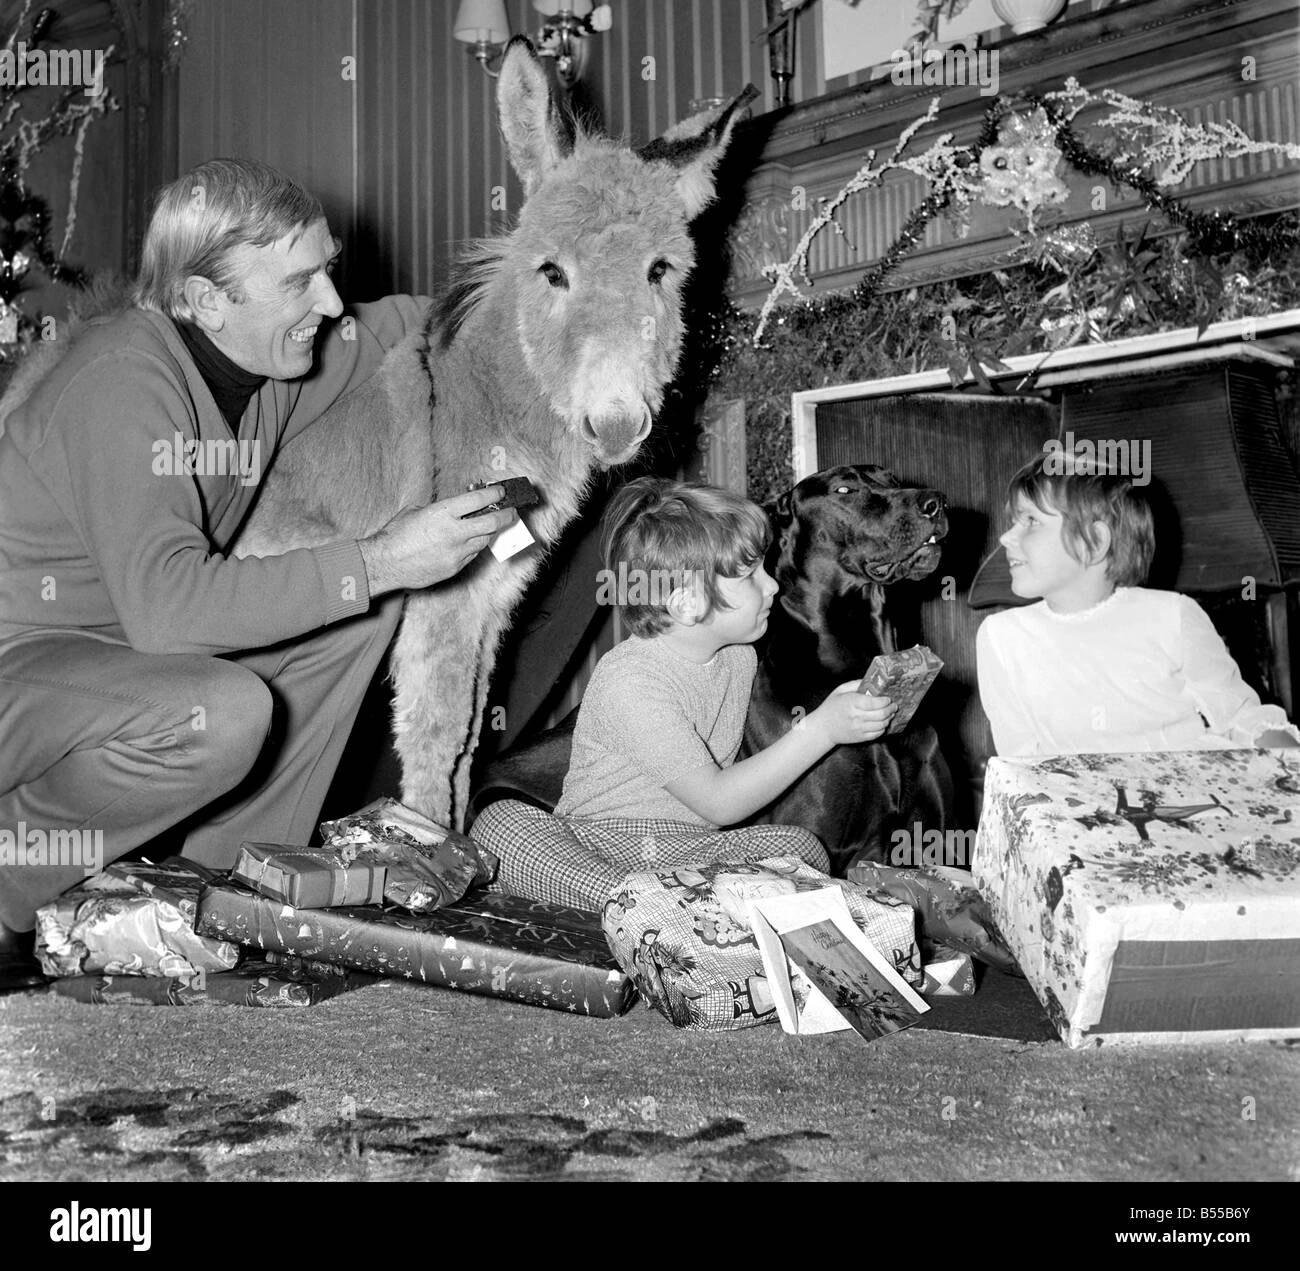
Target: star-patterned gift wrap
pixel 498 946
pixel 1150 897
pixel 255 983
pixel 309 877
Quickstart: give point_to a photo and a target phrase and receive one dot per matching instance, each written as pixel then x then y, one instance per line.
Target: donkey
pixel 547 358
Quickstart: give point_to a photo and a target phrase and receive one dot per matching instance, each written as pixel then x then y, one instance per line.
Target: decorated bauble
pixel 1021 169
pixel 20 264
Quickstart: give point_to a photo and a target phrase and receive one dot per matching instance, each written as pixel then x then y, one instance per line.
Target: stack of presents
pixel 1145 897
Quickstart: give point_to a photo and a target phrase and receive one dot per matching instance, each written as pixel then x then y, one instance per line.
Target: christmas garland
pixel 1015 161
pixel 25 219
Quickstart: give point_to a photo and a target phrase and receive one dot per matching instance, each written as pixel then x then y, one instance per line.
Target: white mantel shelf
pixel 1274 339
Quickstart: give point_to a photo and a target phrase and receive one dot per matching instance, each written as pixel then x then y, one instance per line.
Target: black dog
pixel 840 538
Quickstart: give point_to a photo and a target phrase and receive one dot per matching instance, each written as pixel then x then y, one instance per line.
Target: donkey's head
pixel 593 272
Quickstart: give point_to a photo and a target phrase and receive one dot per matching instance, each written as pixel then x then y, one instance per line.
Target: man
pixel 141 668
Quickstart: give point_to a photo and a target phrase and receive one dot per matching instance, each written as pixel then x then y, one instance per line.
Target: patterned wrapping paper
pixel 683 935
pixel 428 866
pixel 499 946
pixel 256 983
pixel 904 677
pixel 1150 897
pixel 309 877
pixel 133 919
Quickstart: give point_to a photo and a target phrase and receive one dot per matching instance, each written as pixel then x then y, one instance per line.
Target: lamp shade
pixel 579 8
pixel 482 20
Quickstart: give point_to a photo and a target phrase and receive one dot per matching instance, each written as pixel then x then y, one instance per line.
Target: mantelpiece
pixel 1191 57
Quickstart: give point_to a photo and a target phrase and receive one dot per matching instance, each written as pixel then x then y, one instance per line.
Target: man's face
pixel 287 291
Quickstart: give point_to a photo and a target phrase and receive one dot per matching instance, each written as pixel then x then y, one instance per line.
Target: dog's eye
pixel 656 272
pixel 842 489
pixel 554 275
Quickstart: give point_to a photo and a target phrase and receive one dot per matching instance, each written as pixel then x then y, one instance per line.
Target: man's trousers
pixel 97 737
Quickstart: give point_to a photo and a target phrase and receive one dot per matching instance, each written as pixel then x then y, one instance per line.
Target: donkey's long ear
pixel 535 140
pixel 694 146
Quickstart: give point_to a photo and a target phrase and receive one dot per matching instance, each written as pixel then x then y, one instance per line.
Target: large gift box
pixel 501 946
pixel 1150 897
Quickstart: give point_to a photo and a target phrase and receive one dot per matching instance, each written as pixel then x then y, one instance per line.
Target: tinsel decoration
pixel 175 33
pixel 24 215
pixel 1015 161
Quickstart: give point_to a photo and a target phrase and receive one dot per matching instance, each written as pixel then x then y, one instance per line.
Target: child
pixel 653 774
pixel 1102 663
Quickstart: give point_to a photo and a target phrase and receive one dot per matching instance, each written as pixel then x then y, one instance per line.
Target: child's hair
pixel 1086 492
pixel 672 533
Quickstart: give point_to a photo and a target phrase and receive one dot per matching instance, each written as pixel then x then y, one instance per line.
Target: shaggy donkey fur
pixel 547 358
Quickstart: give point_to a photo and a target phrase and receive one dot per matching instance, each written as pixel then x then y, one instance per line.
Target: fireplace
pixel 1221 451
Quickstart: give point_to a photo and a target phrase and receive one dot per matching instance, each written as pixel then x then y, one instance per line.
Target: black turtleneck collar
pixel 231 386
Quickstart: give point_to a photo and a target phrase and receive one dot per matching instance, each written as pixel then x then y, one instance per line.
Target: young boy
pixel 1102 663
pixel 653 774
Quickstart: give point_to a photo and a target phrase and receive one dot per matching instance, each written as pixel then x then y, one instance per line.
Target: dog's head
pixel 860 520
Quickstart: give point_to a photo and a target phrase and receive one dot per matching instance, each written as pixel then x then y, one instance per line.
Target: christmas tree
pixel 24 215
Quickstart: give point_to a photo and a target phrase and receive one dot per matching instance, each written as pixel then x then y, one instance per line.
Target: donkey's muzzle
pixel 616 436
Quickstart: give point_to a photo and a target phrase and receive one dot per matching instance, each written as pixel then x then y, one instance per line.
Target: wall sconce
pixel 484 24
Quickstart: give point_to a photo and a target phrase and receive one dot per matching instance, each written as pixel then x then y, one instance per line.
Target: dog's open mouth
pixel 916 562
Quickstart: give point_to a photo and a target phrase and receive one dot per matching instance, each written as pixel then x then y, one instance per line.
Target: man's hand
pixel 423 546
pixel 847 716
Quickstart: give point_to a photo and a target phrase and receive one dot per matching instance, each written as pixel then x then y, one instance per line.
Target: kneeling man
pixel 142 668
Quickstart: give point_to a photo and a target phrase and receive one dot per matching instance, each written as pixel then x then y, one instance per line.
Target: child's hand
pixel 848 716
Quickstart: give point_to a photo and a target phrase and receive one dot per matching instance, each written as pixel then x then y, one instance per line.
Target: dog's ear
pixel 783 514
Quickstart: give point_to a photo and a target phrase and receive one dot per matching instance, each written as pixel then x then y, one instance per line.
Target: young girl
pixel 1102 663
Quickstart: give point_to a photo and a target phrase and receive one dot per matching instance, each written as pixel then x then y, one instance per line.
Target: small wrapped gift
pixel 904 677
pixel 952 975
pixel 133 919
pixel 310 877
pixel 428 866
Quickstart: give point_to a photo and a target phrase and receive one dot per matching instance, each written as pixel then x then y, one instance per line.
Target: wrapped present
pixel 904 677
pixel 950 911
pixel 256 982
pixel 1150 896
pixel 133 919
pixel 684 936
pixel 428 866
pixel 500 946
pixel 309 877
pixel 952 975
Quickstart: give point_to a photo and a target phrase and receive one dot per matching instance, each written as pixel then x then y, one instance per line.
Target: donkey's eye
pixel 657 271
pixel 554 275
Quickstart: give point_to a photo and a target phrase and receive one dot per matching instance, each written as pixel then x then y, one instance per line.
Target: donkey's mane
pixel 469 277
